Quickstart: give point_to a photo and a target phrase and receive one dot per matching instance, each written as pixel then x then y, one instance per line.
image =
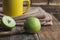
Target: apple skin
pixel 32 25
pixel 4 24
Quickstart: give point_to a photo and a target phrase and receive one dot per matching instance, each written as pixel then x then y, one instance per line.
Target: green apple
pixel 8 22
pixel 32 25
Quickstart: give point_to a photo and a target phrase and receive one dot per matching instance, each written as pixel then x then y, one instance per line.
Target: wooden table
pixel 46 33
pixel 50 32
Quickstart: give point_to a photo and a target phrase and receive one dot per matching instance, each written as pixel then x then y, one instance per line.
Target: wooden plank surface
pixel 19 37
pixel 46 33
pixel 50 32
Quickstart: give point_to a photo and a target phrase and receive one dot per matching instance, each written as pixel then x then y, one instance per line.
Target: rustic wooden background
pixel 44 2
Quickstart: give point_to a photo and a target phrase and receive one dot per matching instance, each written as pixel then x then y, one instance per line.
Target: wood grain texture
pixel 50 32
pixel 19 37
pixel 46 33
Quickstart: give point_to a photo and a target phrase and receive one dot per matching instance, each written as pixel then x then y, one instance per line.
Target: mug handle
pixel 28 6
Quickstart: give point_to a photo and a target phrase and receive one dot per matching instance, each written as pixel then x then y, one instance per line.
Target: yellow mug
pixel 14 8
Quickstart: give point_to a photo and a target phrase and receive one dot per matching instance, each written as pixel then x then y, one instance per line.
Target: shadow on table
pixel 57 16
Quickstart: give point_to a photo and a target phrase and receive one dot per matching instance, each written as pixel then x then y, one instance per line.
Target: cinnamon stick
pixel 41 20
pixel 35 12
pixel 22 23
